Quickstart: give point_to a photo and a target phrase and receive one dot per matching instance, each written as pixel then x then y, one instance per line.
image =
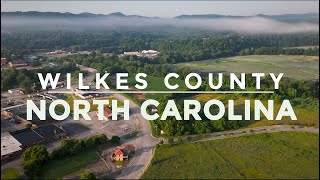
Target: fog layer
pixel 248 25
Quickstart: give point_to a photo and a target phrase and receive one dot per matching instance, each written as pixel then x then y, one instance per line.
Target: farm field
pixel 278 155
pixel 307 117
pixel 297 67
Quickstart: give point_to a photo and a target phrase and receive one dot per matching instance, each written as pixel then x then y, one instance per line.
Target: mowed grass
pixel 157 84
pixel 278 155
pixel 10 173
pixel 304 116
pixel 297 67
pixel 58 168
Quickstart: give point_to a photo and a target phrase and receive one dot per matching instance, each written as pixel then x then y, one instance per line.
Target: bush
pixel 170 140
pixel 87 175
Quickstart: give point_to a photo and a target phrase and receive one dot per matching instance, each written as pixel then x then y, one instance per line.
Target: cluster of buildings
pixel 56 52
pixel 15 140
pixel 15 63
pixel 145 53
pixel 14 143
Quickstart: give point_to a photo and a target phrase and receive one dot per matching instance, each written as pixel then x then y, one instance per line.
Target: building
pixel 13 91
pixel 134 53
pixel 145 53
pixel 119 155
pixel 107 112
pixel 50 132
pixel 83 95
pixel 41 135
pixel 19 113
pixel 4 61
pixel 150 52
pixel 10 147
pixel 16 64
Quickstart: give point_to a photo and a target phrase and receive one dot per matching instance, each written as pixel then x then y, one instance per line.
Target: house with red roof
pixel 3 61
pixel 119 155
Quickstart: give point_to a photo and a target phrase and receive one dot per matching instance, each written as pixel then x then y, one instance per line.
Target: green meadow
pixel 278 155
pixel 297 67
pixel 156 84
pixel 59 168
pixel 10 173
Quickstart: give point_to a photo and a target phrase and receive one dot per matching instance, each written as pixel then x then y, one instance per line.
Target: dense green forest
pixel 23 78
pixel 174 47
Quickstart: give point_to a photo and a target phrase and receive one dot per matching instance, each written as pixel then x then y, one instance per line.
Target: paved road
pixel 144 142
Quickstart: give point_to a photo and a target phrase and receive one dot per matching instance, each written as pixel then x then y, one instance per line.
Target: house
pixel 17 64
pixel 10 147
pixel 107 112
pixel 119 155
pixel 3 61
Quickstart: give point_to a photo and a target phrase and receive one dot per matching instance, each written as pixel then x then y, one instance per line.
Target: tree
pixel 34 157
pixel 115 139
pixel 31 168
pixel 38 153
pixel 86 175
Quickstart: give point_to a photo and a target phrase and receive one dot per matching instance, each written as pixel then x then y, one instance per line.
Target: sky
pixel 166 8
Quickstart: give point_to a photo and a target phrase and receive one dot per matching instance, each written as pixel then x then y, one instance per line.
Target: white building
pixel 145 53
pixel 9 146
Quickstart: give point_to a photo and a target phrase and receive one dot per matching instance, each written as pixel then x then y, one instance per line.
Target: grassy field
pixel 304 116
pixel 10 173
pixel 298 67
pixel 59 168
pixel 157 84
pixel 279 155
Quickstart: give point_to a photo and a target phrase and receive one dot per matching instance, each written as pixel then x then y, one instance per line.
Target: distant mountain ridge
pixel 308 17
pixel 194 16
pixel 67 14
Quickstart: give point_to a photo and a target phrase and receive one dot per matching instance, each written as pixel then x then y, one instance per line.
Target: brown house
pixel 107 111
